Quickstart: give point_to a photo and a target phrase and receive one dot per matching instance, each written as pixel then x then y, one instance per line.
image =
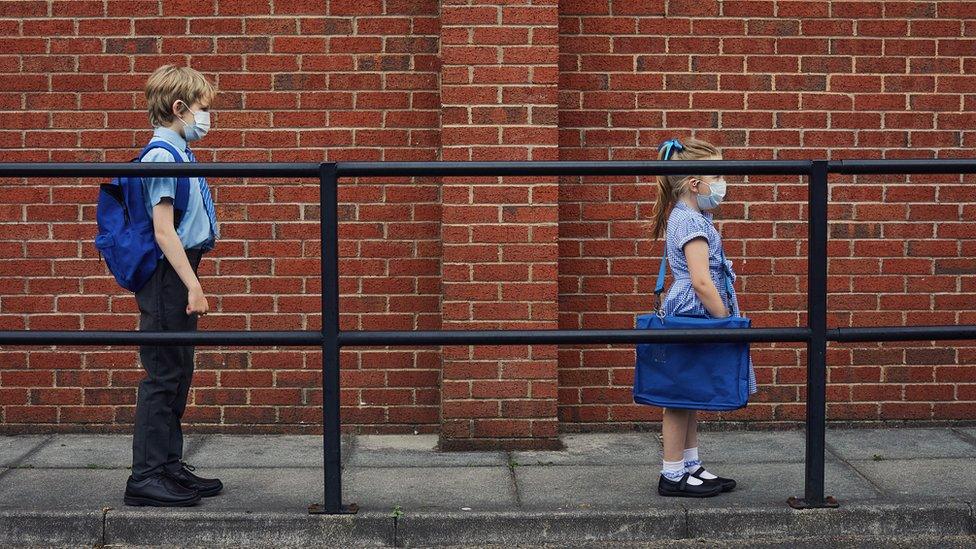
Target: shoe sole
pixel 210 493
pixel 140 502
pixel 681 494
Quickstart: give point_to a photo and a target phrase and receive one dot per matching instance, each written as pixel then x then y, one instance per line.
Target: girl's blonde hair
pixel 170 83
pixel 671 187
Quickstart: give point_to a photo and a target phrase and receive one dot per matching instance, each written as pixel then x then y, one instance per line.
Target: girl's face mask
pixel 712 201
pixel 199 127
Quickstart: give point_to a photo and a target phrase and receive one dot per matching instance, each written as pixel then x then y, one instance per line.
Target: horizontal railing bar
pixel 401 338
pixel 902 333
pixel 906 166
pixel 481 337
pixel 160 169
pixel 241 338
pixel 436 169
pixel 542 337
pixel 573 168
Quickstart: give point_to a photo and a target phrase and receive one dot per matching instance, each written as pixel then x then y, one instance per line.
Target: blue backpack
pixel 125 231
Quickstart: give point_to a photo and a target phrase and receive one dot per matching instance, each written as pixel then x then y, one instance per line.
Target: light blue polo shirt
pixel 194 230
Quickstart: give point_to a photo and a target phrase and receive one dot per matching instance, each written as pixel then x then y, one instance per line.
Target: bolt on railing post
pixel 331 426
pixel 817 345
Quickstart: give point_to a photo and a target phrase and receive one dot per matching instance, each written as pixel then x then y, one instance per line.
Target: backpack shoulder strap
pixel 182 183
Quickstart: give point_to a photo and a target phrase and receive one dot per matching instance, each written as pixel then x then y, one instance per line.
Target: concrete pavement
pixel 916 482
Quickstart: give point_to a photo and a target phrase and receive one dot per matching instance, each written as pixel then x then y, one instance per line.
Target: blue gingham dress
pixel 684 225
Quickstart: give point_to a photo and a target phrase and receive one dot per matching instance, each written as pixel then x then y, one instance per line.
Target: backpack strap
pixel 182 183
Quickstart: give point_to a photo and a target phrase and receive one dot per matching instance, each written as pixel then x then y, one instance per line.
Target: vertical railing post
pixel 331 432
pixel 817 346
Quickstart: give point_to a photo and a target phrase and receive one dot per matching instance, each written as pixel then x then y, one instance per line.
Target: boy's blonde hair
pixel 170 83
pixel 671 187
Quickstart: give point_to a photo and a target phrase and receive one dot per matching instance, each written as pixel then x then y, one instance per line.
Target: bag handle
pixel 659 287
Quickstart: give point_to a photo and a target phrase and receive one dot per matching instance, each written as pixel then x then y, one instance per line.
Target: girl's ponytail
pixel 670 187
pixel 665 191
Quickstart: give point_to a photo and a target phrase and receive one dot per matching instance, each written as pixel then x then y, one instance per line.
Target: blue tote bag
pixel 695 376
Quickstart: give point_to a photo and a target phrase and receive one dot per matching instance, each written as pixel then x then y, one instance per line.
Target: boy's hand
pixel 197 303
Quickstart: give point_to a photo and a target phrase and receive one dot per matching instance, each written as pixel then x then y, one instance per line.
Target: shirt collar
pixel 171 137
pixel 683 206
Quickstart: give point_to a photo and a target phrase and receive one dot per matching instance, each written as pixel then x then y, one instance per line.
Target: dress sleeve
pixel 688 229
pixel 158 188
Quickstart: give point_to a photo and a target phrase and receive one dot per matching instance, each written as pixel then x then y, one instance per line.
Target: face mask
pixel 713 200
pixel 199 127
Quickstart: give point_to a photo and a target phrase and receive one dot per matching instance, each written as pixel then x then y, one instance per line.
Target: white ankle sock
pixel 692 462
pixel 674 470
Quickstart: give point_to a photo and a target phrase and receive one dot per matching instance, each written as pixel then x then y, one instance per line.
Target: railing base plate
pixel 829 502
pixel 345 509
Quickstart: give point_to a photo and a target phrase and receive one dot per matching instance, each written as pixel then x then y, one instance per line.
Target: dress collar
pixel 171 137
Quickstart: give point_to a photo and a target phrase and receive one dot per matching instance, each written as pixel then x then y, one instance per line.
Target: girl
pixel 693 248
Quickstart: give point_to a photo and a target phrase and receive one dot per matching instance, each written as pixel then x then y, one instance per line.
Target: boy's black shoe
pixel 727 484
pixel 159 490
pixel 681 488
pixel 206 486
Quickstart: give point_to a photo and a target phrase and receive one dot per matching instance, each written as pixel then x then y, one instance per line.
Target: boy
pixel 179 100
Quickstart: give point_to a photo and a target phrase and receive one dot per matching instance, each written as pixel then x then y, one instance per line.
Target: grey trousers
pixel 157 443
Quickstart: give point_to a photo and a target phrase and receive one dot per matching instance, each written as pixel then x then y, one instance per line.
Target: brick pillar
pixel 498 95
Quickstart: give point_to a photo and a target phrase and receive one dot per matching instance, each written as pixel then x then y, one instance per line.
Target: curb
pixel 69 528
pixel 371 529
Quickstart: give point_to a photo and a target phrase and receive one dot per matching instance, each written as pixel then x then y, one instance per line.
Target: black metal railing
pixel 816 334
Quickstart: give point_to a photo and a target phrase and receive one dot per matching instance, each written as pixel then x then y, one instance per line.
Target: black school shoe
pixel 727 484
pixel 681 488
pixel 206 486
pixel 159 490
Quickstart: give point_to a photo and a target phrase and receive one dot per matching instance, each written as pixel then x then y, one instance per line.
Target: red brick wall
pixel 777 80
pixel 408 80
pixel 355 81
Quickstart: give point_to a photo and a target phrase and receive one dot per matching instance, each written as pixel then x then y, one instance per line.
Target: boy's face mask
pixel 199 127
pixel 712 201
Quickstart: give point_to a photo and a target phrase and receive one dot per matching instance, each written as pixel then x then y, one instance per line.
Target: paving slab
pixel 752 446
pixel 13 448
pixel 418 489
pixel 949 479
pixel 597 449
pixel 93 451
pixel 416 451
pixel 286 489
pixel 771 484
pixel 260 451
pixel 634 487
pixel 970 434
pixel 863 444
pixel 62 489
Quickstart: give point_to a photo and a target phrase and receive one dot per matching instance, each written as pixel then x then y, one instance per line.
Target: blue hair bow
pixel 670 147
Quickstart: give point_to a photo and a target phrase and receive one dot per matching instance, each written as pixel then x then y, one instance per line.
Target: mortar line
pixel 833 451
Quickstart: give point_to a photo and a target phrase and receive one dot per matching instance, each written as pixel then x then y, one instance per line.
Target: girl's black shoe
pixel 681 488
pixel 726 484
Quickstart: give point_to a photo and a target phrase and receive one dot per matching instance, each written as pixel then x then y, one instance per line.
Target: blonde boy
pixel 179 100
